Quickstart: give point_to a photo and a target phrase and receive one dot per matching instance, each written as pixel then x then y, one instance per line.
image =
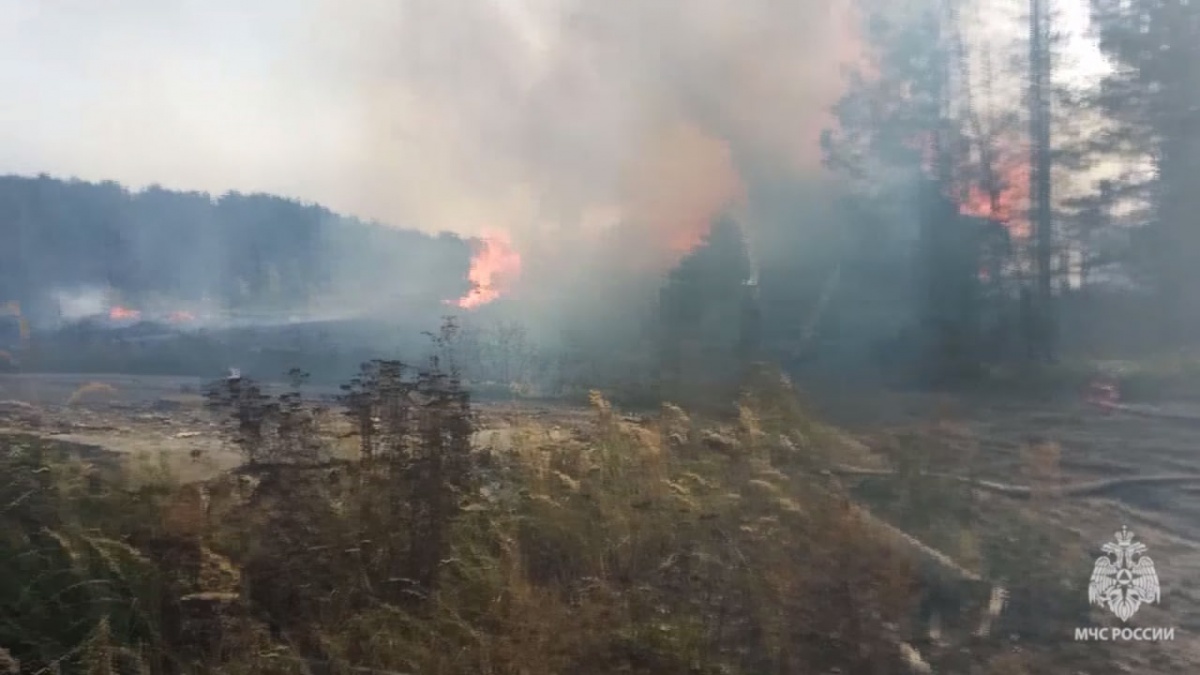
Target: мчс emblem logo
pixel 1123 579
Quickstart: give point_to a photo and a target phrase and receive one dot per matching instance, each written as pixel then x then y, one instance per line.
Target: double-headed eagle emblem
pixel 1123 578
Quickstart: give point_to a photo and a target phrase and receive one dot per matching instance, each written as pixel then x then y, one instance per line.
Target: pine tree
pixel 708 312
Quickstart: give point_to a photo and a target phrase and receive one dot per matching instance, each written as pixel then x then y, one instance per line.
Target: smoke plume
pixel 623 125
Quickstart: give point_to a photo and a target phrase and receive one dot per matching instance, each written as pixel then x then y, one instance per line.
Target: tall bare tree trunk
pixel 1039 193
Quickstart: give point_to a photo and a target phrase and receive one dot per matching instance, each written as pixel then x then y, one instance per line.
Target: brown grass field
pixel 602 511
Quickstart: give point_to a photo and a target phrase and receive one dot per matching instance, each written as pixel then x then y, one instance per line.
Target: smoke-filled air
pixel 597 138
pixel 657 337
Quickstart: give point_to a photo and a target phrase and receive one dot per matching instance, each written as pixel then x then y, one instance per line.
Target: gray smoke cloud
pixel 560 120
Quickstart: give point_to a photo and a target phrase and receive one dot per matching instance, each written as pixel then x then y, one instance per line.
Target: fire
pixel 683 178
pixel 1011 169
pixel 118 313
pixel 684 242
pixel 181 317
pixel 495 265
pixel 1012 200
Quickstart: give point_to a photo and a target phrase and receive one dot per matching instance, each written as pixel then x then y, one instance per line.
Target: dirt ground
pixel 165 415
pixel 158 417
pixel 1097 445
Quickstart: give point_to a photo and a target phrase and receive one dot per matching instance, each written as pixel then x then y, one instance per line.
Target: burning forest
pixel 494 266
pixel 657 327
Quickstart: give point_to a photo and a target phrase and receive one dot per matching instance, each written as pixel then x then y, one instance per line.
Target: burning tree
pixel 958 264
pixel 922 120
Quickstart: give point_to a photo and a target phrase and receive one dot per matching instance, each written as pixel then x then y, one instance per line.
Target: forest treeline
pixel 991 208
pixel 235 251
pixel 980 219
pixel 975 109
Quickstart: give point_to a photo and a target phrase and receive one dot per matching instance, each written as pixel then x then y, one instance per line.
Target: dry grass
pixel 670 544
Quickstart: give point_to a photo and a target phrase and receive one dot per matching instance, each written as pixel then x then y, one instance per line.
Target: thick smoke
pixel 583 127
pixel 82 303
pixel 601 137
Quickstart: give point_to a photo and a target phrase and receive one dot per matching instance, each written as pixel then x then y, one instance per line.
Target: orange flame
pixel 181 316
pixel 118 313
pixel 1012 199
pixel 1010 208
pixel 495 265
pixel 682 180
pixel 684 242
pixel 1012 202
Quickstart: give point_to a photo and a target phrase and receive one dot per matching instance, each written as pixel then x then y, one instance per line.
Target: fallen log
pixel 973 594
pixel 1150 412
pixel 1085 489
pixel 934 559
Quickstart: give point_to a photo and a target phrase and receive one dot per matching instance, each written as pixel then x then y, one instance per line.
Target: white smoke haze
pixel 557 120
pixel 82 303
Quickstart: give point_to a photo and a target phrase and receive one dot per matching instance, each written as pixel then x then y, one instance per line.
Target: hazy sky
pixel 442 113
pixel 194 94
